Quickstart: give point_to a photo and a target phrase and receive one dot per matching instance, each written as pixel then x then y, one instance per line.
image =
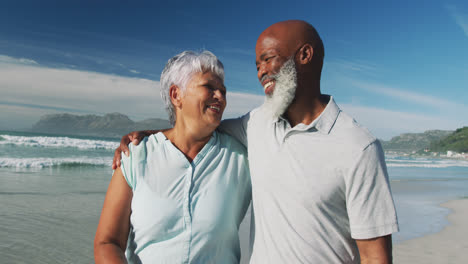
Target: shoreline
pixel 390 153
pixel 450 245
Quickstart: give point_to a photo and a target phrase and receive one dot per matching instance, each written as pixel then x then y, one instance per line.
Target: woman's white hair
pixel 180 69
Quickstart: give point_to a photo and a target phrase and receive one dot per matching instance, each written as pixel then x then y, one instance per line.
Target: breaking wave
pixel 57 142
pixel 39 163
pixel 426 163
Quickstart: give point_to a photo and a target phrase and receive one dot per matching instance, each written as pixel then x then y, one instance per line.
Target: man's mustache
pixel 269 77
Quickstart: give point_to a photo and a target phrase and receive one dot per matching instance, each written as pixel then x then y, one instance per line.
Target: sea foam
pixel 426 163
pixel 58 142
pixel 52 162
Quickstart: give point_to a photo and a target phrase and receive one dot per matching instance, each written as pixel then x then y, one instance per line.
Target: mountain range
pixel 431 141
pixel 113 125
pixel 409 142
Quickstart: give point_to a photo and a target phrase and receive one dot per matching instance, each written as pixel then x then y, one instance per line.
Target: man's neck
pixel 305 109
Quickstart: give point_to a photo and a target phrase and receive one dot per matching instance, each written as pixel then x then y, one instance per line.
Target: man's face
pixel 277 74
pixel 270 57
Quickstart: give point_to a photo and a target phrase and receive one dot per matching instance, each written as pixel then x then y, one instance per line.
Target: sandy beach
pixel 448 246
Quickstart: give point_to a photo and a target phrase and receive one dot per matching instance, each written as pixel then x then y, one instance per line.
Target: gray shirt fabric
pixel 315 188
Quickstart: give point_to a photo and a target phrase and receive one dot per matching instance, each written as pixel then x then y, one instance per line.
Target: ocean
pixel 52 189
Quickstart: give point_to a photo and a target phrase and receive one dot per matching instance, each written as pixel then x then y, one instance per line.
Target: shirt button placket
pixel 187 211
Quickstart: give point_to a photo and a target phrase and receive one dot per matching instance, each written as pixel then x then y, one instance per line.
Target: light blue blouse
pixel 186 212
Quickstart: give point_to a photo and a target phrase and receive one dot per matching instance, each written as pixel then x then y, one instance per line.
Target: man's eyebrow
pixel 261 58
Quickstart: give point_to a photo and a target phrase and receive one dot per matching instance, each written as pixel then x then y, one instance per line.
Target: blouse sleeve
pixel 126 167
pixel 132 165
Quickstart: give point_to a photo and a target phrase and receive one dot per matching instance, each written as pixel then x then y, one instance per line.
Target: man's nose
pixel 261 72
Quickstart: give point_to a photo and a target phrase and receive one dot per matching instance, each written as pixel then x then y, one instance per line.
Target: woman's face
pixel 204 99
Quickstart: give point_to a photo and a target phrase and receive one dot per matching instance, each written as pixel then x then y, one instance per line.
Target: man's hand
pixel 135 137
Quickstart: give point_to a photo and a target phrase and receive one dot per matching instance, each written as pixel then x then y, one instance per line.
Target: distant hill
pixel 457 141
pixel 409 142
pixel 109 125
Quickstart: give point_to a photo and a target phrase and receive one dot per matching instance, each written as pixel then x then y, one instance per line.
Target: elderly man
pixel 320 190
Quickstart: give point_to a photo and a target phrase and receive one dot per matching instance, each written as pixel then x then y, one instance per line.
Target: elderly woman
pixel 181 195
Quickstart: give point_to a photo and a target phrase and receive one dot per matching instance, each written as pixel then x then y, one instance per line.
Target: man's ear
pixel 176 95
pixel 305 54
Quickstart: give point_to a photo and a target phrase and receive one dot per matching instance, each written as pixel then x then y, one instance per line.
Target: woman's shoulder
pixel 147 145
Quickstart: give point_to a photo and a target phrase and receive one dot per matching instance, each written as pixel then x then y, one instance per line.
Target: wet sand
pixel 448 246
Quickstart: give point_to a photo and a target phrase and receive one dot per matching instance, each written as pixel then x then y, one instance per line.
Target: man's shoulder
pixel 231 143
pixel 356 135
pixel 258 118
pixel 257 113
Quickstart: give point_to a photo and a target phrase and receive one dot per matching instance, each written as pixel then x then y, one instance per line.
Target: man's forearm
pixel 376 250
pixel 151 132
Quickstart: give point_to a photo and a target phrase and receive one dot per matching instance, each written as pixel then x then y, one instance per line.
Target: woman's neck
pixel 188 139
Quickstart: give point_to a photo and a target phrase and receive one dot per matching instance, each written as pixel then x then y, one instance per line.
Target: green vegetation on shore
pixel 457 141
pixel 431 142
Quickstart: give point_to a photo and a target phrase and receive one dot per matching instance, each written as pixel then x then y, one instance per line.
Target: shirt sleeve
pixel 236 127
pixel 245 187
pixel 126 167
pixel 369 199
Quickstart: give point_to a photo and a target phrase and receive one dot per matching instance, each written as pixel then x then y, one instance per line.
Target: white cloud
pixel 415 98
pixel 460 19
pixel 241 103
pixel 29 91
pixel 64 88
pixel 356 66
pixel 20 117
pixel 386 123
pixel 10 60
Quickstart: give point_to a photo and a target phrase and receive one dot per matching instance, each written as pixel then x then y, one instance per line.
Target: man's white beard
pixel 285 90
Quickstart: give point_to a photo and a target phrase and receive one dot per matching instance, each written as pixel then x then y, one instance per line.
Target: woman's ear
pixel 175 94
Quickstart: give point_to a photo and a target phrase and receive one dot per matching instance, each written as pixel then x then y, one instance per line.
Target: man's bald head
pixel 294 40
pixel 291 35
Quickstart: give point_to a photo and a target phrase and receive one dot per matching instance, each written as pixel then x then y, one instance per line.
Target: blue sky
pixel 396 66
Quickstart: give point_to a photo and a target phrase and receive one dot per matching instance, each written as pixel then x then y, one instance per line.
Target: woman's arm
pixel 112 232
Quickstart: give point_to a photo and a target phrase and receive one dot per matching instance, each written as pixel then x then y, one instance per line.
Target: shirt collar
pixel 328 117
pixel 324 122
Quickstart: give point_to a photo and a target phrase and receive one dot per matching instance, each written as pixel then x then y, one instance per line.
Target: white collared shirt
pixel 315 188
